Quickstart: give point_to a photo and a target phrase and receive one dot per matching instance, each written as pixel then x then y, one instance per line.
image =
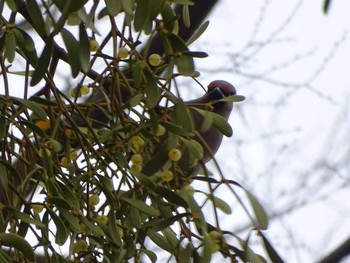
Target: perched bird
pixel 211 138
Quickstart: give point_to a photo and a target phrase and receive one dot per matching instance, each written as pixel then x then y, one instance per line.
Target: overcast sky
pixel 292 127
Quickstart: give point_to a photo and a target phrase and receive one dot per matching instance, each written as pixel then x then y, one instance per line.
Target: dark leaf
pixel 43 62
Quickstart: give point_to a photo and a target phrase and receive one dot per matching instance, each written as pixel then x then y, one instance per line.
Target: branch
pixel 337 254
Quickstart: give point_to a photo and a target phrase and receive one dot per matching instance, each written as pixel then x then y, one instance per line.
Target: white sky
pixel 279 146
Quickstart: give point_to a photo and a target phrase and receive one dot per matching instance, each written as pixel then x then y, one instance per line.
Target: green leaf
pixel 221 204
pixel 152 90
pixel 10 46
pixel 326 5
pixel 114 7
pixel 112 227
pixel 25 218
pixel 259 211
pixel 62 232
pixel 185 65
pixel 73 48
pixel 12 4
pixel 141 206
pixel 160 241
pixel 275 258
pixel 150 254
pixel 127 6
pixel 33 128
pixel 159 158
pixel 221 124
pixel 3 179
pixel 176 129
pixel 72 220
pixel 196 54
pixel 186 16
pixel 160 224
pixel 169 19
pixel 69 196
pixel 233 98
pixel 145 180
pixel 137 73
pixel 58 202
pixel 36 16
pixel 35 108
pixel 84 51
pixel 43 62
pixel 183 116
pixel 141 15
pixel 198 33
pixel 194 147
pixel 42 101
pixel 206 253
pixel 26 45
pixel 18 242
pixel 155 7
pixel 13 172
pixel 171 196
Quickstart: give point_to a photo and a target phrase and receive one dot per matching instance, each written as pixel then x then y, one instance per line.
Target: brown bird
pixel 211 138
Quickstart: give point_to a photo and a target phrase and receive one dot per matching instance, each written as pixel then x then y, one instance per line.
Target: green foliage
pixel 67 173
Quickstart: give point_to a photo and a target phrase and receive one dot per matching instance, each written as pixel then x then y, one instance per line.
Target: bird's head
pixel 219 89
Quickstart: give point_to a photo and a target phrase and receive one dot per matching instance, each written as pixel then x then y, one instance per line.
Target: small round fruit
pixel 94 46
pixel 44 125
pixel 160 130
pixel 167 175
pixel 136 158
pixel 80 246
pixel 137 142
pixel 154 60
pixel 136 168
pixel 102 219
pixel 123 52
pixel 84 90
pixel 94 199
pixel 174 154
pixel 37 208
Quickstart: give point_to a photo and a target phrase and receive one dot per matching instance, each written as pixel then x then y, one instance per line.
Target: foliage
pixel 95 164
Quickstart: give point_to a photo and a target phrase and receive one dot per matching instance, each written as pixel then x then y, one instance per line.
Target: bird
pixel 209 139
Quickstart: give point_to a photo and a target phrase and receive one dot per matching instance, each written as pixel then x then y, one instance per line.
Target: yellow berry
pixel 80 246
pixel 167 175
pixel 174 154
pixel 123 52
pixel 136 158
pixel 74 93
pixel 102 219
pixel 94 46
pixel 154 60
pixel 135 168
pixel 160 130
pixel 84 229
pixel 84 90
pixel 137 142
pixel 44 125
pixel 37 208
pixel 214 238
pixel 64 161
pixel 94 199
pixel 73 155
pixel 68 133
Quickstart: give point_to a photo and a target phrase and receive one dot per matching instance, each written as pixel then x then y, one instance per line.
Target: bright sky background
pixel 294 118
